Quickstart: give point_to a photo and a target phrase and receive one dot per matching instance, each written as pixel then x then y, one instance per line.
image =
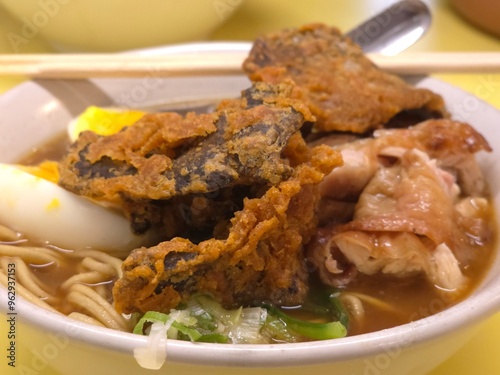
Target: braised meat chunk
pixel 341 86
pixel 420 206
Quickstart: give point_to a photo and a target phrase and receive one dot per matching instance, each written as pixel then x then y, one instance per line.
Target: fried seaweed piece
pixel 341 86
pixel 166 155
pixel 259 260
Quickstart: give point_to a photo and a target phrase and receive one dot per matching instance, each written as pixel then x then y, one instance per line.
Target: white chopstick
pixel 417 63
pixel 74 66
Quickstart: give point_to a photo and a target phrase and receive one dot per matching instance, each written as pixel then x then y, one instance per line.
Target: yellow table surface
pixel 449 32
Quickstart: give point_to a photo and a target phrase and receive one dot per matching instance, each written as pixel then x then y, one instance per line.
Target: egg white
pixel 43 210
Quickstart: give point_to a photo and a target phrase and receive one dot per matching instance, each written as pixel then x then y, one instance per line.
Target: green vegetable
pixel 205 320
pixel 157 317
pixel 327 303
pixel 339 310
pixel 317 331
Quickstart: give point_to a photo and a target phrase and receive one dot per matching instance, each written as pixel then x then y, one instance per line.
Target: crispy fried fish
pixel 248 181
pixel 166 155
pixel 259 260
pixel 341 86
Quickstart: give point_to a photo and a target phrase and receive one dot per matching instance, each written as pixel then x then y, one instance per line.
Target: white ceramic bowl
pixel 48 343
pixel 116 25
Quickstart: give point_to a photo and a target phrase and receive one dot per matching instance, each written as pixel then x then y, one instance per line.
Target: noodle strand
pixel 26 294
pixel 87 299
pixel 8 235
pixel 86 292
pixel 26 278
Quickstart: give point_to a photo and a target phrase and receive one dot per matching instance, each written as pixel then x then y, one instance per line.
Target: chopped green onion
pixel 205 320
pixel 339 310
pixel 157 317
pixel 214 338
pixel 150 317
pixel 327 303
pixel 317 331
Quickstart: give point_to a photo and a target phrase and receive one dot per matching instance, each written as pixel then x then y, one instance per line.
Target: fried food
pixel 341 86
pixel 235 190
pixel 166 155
pixel 260 259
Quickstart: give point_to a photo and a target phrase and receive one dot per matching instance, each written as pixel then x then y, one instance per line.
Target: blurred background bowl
pixel 485 14
pixel 115 25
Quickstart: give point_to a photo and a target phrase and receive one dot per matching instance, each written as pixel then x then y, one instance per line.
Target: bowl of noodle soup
pixel 94 338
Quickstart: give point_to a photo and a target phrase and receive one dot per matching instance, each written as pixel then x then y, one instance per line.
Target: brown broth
pixel 409 299
pixel 54 149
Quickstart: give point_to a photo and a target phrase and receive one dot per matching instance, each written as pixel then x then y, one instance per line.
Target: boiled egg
pixel 32 203
pixel 103 121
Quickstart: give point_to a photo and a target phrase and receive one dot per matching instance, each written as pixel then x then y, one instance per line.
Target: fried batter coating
pixel 166 155
pixel 342 87
pixel 259 260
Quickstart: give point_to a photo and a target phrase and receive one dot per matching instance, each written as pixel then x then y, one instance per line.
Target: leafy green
pixel 317 331
pixel 157 317
pixel 205 320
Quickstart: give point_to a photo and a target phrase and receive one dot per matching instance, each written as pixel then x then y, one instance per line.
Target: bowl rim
pixel 484 301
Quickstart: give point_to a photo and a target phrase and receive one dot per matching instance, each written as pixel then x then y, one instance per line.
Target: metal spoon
pixel 394 29
pixel 390 31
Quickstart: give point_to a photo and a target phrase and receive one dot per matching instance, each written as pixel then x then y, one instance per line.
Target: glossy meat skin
pixel 452 144
pixel 341 86
pixel 408 215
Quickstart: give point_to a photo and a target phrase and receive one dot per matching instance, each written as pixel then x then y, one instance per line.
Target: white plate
pixel 34 112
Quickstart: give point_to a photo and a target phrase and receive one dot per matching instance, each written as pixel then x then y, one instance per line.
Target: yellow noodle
pixel 85 319
pixel 354 305
pixel 105 304
pixel 87 299
pixel 7 234
pixel 104 291
pixel 98 268
pixel 116 263
pixel 374 301
pixel 28 280
pixel 91 308
pixel 23 272
pixel 32 255
pixel 90 277
pixel 95 265
pixel 26 294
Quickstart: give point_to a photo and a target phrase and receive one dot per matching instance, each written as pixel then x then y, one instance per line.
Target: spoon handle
pixel 394 29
